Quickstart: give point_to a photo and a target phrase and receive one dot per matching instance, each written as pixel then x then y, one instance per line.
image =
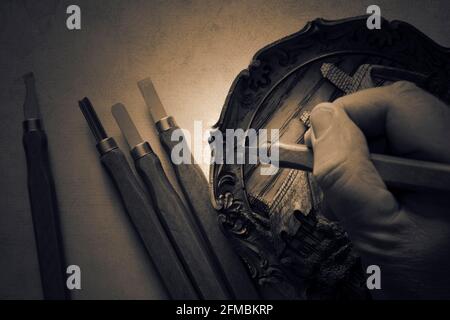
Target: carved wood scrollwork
pixel 301 254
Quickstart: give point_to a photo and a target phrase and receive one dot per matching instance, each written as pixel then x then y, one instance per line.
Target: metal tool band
pixel 165 124
pixel 141 150
pixel 32 125
pixel 106 145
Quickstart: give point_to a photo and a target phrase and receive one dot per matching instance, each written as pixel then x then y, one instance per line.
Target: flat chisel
pixel 395 171
pixel 195 189
pixel 43 200
pixel 175 216
pixel 140 211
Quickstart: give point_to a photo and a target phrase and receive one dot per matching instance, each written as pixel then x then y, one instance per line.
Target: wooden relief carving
pixel 275 222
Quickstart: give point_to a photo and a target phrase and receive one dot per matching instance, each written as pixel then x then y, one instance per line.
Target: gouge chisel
pixel 44 207
pixel 175 216
pixel 195 189
pixel 395 171
pixel 140 211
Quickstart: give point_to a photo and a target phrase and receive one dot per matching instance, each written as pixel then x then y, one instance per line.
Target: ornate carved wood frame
pixel 328 268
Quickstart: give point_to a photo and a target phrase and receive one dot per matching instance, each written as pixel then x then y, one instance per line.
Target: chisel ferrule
pixel 141 150
pixel 106 145
pixel 165 124
pixel 32 125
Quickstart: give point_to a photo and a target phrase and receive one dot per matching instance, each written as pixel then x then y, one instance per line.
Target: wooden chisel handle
pixel 181 228
pixel 44 209
pixel 195 188
pixel 395 171
pixel 408 173
pixel 147 224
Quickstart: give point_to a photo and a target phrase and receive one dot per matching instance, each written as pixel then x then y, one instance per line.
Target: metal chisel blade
pixel 92 119
pixel 152 99
pixel 31 105
pixel 295 156
pixel 292 156
pixel 126 125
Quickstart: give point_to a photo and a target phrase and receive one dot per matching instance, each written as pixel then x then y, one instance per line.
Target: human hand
pixel 405 233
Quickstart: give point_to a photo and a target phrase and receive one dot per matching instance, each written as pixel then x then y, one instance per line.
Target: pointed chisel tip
pixel 145 81
pixel 31 105
pixel 117 109
pixel 126 125
pixel 152 100
pixel 92 119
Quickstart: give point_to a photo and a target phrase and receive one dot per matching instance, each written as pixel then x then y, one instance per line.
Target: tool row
pixel 189 251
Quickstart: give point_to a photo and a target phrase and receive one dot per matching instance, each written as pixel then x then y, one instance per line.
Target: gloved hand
pixel 405 233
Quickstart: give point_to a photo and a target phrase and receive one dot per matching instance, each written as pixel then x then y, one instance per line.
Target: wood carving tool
pixel 195 189
pixel 174 215
pixel 44 207
pixel 395 171
pixel 140 210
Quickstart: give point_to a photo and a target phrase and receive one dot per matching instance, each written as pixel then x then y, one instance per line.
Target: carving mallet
pixel 395 171
pixel 44 207
pixel 195 189
pixel 140 210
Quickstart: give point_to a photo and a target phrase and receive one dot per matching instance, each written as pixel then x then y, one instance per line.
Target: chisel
pixel 174 215
pixel 140 211
pixel 44 207
pixel 195 189
pixel 395 171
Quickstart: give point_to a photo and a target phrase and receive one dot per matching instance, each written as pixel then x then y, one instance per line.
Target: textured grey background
pixel 191 49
